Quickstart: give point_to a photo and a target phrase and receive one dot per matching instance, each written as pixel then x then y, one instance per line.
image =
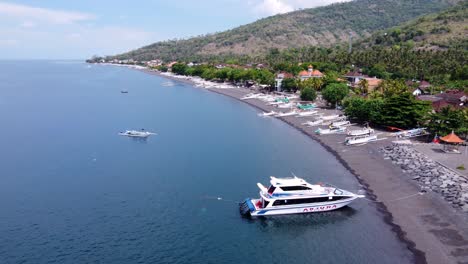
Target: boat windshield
pixel 338 192
pixel 271 189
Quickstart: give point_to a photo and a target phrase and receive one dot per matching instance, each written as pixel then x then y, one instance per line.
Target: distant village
pixel 421 89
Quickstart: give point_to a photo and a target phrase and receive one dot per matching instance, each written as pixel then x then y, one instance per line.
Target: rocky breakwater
pixel 430 175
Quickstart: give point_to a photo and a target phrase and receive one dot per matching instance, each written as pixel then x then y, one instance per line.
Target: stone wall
pixel 430 175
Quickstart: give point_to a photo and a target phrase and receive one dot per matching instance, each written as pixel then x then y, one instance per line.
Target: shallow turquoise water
pixel 73 191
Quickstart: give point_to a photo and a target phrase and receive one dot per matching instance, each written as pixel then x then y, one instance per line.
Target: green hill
pixel 443 30
pixel 322 26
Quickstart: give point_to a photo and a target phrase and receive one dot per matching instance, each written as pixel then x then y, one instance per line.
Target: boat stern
pixel 246 207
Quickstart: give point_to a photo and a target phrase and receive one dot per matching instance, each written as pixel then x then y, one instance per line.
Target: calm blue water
pixel 73 191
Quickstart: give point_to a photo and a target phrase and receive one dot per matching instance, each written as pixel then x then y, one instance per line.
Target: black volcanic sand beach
pixel 431 228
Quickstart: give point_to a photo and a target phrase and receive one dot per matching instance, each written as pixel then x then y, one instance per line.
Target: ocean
pixel 73 191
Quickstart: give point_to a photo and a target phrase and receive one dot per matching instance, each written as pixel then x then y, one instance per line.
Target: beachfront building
pixel 310 73
pixel 354 77
pixel 279 79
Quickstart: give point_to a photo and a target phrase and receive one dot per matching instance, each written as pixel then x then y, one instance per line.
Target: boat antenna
pixel 293 174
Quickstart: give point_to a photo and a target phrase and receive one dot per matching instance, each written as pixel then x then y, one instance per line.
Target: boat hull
pixel 302 209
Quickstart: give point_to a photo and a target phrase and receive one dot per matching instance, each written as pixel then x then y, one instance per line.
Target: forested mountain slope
pixel 322 26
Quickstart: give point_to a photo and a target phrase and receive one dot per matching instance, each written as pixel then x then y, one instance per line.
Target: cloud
pixel 8 42
pixel 42 14
pixel 36 32
pixel 272 7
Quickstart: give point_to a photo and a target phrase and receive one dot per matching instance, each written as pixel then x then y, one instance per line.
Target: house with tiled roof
pixel 454 99
pixel 354 77
pixel 310 73
pixel 372 83
pixel 419 88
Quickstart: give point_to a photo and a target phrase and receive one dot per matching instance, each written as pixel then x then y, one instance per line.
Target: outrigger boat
pixel 136 133
pixel 306 106
pixel 330 117
pixel 296 196
pixel 417 132
pixel 360 132
pixel 291 113
pixel 307 113
pixel 288 105
pixel 331 130
pixel 340 124
pixel 357 140
pixel 272 113
pixel 313 123
pixel 250 96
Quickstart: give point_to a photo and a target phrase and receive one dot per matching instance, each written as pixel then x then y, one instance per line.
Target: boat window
pixel 295 188
pixel 303 201
pixel 271 189
pixel 338 192
pixel 265 203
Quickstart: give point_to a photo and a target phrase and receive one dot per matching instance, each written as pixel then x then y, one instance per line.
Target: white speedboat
pixel 313 123
pixel 295 196
pixel 358 140
pixel 331 130
pixel 360 132
pixel 272 113
pixel 136 133
pixel 307 113
pixel 291 113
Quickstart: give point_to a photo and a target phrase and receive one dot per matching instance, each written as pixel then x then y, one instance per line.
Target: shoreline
pixel 429 227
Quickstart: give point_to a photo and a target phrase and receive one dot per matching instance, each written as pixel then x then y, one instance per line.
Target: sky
pixel 57 29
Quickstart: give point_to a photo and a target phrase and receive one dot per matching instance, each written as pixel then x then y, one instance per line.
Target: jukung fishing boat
pixel 330 130
pixel 338 124
pixel 417 132
pixel 295 196
pixel 358 140
pixel 136 133
pixel 313 123
pixel 307 113
pixel 291 113
pixel 272 113
pixel 330 117
pixel 288 105
pixel 305 106
pixel 360 132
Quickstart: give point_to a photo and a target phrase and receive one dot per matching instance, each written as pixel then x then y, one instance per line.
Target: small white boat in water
pixel 272 113
pixel 296 196
pixel 291 113
pixel 358 140
pixel 307 113
pixel 136 133
pixel 331 130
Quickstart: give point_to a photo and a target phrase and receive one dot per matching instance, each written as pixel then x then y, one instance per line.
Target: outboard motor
pixel 246 207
